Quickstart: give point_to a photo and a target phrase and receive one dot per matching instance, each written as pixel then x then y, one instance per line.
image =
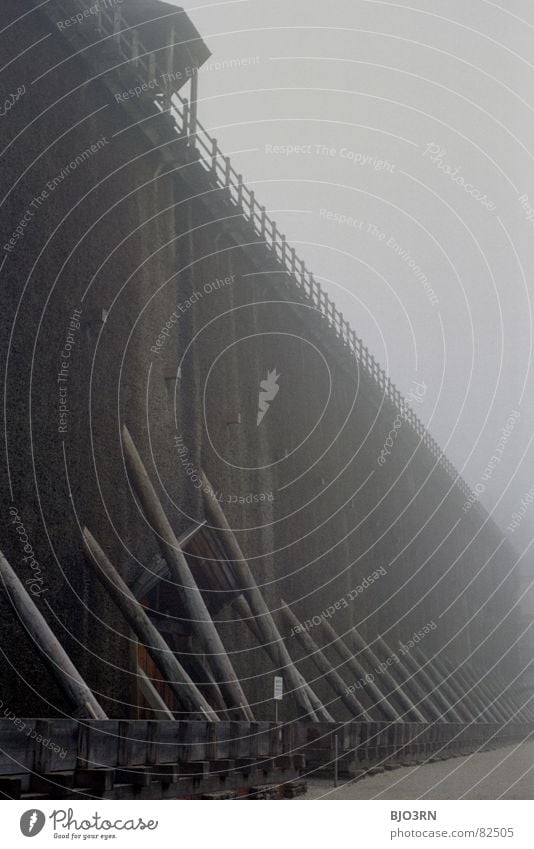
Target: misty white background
pixel 384 80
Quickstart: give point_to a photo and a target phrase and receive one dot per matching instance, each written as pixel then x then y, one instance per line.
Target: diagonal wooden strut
pixel 201 620
pixel 49 646
pixel 176 676
pixel 324 666
pixel 246 583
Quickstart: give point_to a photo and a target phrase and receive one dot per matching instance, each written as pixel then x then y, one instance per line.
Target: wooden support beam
pixel 168 87
pixel 324 666
pixel 443 685
pixel 214 690
pixel 194 107
pixel 448 681
pixel 405 678
pixel 487 709
pixel 381 701
pixel 245 614
pixel 246 583
pixel 175 675
pixel 201 621
pixel 449 711
pixel 224 580
pixel 151 695
pixel 502 696
pixel 397 691
pixel 486 704
pixel 148 579
pixel 494 708
pixel 55 656
pixel 477 714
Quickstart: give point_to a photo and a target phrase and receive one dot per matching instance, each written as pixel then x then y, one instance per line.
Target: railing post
pixel 214 153
pixel 318 293
pixel 117 18
pixel 151 67
pixel 135 48
pixel 194 105
pixel 274 234
pixel 240 190
pixel 263 229
pixel 167 85
pixel 185 126
pixel 325 304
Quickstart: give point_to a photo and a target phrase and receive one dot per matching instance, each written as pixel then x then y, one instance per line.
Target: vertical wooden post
pixel 214 155
pixel 135 47
pixel 167 85
pixel 151 67
pixel 185 121
pixel 117 19
pixel 194 107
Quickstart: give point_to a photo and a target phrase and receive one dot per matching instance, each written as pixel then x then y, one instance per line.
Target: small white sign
pixel 278 688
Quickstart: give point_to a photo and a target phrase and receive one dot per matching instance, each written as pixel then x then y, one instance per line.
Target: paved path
pixel 506 773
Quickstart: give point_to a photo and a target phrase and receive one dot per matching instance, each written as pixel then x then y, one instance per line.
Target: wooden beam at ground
pixel 248 586
pixel 375 694
pixel 201 621
pixel 59 663
pixel 151 695
pixel 324 666
pixel 175 675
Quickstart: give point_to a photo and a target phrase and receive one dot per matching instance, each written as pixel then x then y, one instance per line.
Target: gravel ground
pixel 506 773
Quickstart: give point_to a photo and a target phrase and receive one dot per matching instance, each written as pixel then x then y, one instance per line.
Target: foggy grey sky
pixel 380 82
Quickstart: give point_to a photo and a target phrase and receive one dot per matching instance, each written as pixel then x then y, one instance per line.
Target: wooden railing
pixel 130 48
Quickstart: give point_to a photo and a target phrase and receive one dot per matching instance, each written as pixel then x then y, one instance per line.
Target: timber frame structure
pixel 197 734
